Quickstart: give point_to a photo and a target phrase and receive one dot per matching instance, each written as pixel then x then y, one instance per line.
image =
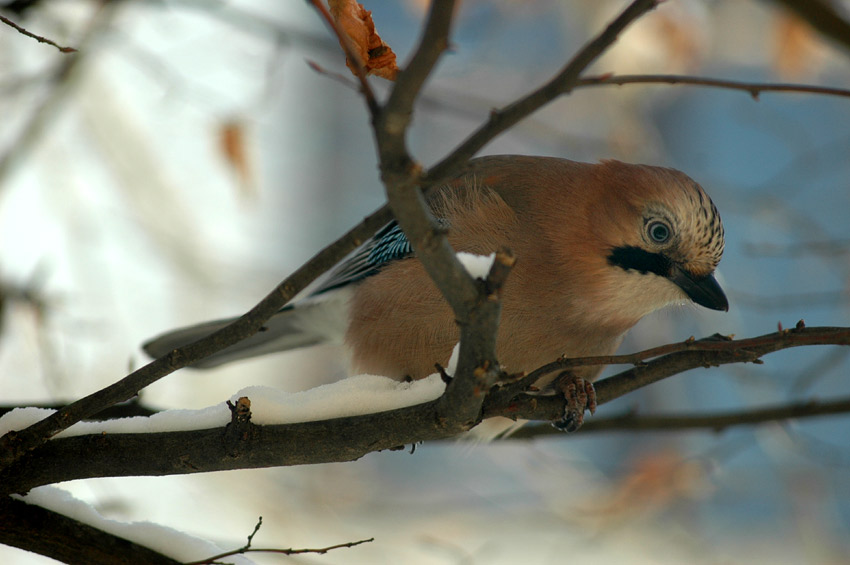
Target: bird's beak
pixel 704 290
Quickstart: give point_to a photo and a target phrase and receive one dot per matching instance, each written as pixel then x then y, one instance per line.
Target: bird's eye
pixel 659 232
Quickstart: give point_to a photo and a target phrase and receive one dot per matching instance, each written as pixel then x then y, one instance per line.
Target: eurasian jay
pixel 598 246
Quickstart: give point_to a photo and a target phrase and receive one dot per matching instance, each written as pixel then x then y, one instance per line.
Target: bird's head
pixel 620 240
pixel 641 238
pixel 664 234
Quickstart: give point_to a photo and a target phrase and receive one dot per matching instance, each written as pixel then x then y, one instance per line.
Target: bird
pixel 598 246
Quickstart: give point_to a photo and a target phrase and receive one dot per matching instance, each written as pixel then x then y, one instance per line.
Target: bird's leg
pixel 580 396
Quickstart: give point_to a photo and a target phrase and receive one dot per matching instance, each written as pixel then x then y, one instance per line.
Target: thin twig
pixel 682 357
pixel 562 83
pixel 63 78
pixel 345 43
pixel 290 551
pixel 754 89
pixel 344 80
pixel 38 38
pixel 800 335
pixel 711 422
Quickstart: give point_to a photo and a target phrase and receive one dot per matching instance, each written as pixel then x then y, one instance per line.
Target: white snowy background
pixel 124 214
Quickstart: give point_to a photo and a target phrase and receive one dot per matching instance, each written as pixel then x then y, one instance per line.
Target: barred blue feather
pixel 387 245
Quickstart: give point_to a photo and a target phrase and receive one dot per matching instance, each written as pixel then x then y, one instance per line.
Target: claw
pixel 580 396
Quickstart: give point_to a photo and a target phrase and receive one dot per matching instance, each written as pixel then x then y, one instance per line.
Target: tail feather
pixel 302 325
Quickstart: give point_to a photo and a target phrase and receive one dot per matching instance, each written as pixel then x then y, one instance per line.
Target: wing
pixel 387 245
pixel 319 317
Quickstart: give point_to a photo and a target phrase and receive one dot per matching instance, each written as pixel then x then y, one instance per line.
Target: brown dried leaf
pixel 231 135
pixel 355 21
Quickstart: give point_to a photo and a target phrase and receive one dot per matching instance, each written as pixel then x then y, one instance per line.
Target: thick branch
pixel 347 439
pixel 476 306
pixel 42 531
pixel 15 444
pixel 178 453
pixel 402 177
pixel 477 368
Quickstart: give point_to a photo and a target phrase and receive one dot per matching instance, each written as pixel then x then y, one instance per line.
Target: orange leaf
pixel 233 148
pixel 355 21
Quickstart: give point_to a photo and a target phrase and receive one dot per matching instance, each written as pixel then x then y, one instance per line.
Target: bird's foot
pixel 580 396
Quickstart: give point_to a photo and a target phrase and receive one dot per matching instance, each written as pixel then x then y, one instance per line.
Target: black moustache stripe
pixel 637 259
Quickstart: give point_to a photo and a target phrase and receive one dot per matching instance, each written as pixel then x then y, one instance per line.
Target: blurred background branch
pixel 825 16
pixel 128 184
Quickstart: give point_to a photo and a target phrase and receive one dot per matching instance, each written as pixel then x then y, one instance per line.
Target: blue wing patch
pixel 387 245
pixel 390 244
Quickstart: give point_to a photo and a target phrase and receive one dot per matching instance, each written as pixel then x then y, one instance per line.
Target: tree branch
pixel 14 444
pixel 397 113
pixel 710 422
pixel 65 539
pixel 127 409
pixel 400 177
pixel 562 83
pixel 704 353
pixel 290 551
pixel 38 38
pixel 476 306
pixel 348 439
pixel 754 89
pixel 405 183
pixel 799 335
pixel 62 79
pixel 351 55
pixel 30 460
